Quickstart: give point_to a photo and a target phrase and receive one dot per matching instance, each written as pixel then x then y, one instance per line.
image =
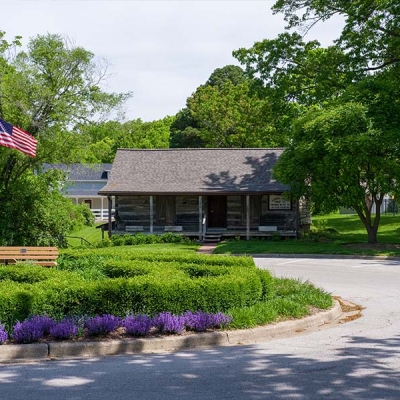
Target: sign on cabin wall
pixel 278 202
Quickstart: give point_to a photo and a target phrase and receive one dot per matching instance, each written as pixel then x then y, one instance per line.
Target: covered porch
pixel 206 217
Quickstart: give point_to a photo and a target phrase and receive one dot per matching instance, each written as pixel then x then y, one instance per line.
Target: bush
pixel 3 334
pixel 91 284
pixel 200 321
pixel 141 238
pixel 137 325
pixel 166 322
pixel 101 325
pixel 37 327
pixel 27 332
pixel 64 330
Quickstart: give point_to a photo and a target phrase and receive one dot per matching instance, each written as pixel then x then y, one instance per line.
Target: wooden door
pixel 216 214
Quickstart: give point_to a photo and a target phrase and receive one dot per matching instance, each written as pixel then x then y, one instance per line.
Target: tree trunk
pixel 365 217
pixel 372 235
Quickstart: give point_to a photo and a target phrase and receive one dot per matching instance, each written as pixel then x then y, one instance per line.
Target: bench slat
pixel 27 257
pixel 43 256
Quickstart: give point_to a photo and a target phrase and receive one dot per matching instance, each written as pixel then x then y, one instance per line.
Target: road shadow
pixel 363 369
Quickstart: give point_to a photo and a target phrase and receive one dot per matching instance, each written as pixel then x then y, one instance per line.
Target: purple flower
pixel 221 320
pixel 137 325
pixel 32 329
pixel 3 334
pixel 101 325
pixel 27 332
pixel 65 329
pixel 200 321
pixel 44 322
pixel 169 323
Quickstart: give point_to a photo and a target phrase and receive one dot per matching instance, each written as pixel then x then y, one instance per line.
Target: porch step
pixel 212 238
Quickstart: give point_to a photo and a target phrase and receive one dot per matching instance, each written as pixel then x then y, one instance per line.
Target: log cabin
pixel 207 194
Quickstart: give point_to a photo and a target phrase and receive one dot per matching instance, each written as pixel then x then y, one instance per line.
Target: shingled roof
pixel 82 172
pixel 82 179
pixel 193 171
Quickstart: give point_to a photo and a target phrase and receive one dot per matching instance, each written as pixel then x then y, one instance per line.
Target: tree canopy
pixel 227 111
pixel 47 91
pixel 344 113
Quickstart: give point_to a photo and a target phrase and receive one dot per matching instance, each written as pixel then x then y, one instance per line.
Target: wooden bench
pixel 134 228
pixel 267 228
pixel 44 256
pixel 173 228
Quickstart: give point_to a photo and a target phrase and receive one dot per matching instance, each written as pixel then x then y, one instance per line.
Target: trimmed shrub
pixel 15 302
pixel 115 282
pixel 25 273
pixel 141 238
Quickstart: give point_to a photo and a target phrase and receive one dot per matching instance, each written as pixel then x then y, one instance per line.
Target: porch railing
pixel 101 213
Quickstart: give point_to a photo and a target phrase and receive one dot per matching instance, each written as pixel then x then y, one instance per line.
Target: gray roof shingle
pixel 82 172
pixel 82 179
pixel 193 171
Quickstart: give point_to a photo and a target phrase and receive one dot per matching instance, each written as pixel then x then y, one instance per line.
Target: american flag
pixel 16 138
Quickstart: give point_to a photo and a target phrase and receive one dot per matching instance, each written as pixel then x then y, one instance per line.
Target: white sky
pixel 160 50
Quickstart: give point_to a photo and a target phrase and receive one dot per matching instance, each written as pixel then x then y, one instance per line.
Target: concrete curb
pixel 63 350
pixel 329 256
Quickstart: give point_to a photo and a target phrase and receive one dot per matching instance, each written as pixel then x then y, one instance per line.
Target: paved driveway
pixel 355 361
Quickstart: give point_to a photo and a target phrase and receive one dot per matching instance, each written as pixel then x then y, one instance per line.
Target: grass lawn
pixel 333 234
pixel 348 237
pixel 89 233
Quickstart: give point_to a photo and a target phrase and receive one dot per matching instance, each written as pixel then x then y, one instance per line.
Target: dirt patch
pixel 351 311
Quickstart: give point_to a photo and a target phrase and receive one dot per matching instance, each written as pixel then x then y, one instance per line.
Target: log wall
pixel 184 211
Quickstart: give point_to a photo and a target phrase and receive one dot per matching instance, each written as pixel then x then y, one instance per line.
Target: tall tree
pixel 344 143
pixel 346 153
pixel 230 73
pixel 104 138
pixel 186 130
pixel 46 90
pixel 233 116
pixel 371 32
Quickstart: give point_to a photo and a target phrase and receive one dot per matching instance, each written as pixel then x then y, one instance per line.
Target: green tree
pixel 186 130
pixel 47 91
pixel 371 33
pixel 338 157
pixel 146 135
pixel 230 73
pixel 345 124
pixel 34 212
pixel 233 116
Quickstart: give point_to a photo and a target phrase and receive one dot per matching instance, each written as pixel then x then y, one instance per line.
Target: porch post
pixel 102 208
pixel 247 217
pixel 297 224
pixel 151 214
pixel 200 218
pixel 109 216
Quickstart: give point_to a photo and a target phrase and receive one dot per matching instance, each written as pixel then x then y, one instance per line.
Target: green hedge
pixel 143 283
pixel 141 238
pixel 127 253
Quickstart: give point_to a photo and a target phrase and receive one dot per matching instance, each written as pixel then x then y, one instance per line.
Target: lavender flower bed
pixel 42 327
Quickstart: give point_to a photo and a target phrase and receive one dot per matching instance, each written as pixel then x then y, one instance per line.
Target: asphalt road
pixel 358 360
